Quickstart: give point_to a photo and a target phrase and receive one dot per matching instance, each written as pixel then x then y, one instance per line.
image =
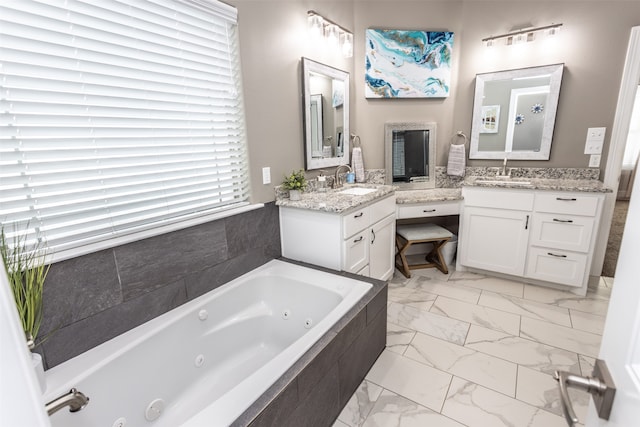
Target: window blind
pixel 118 116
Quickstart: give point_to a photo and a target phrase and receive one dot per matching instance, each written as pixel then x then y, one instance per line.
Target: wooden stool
pixel 407 235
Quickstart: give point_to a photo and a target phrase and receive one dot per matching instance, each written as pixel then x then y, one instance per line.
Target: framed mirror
pixel 514 113
pixel 410 155
pixel 325 115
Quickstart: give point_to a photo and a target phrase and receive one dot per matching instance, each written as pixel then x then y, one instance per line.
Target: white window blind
pixel 118 116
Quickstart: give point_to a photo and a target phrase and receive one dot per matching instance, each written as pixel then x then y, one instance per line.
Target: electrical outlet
pixel 594 161
pixel 595 140
pixel 266 175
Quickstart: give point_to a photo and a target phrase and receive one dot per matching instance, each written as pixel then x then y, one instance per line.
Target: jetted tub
pixel 207 361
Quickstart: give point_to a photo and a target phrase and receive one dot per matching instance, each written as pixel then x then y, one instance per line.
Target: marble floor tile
pixel 414 380
pixel 438 287
pixel 525 308
pixel 541 357
pixel 360 404
pixel 428 323
pixel 569 339
pixel 493 284
pixel 339 423
pixel 477 315
pixel 541 390
pixel 412 297
pixel 593 303
pixel 477 406
pixel 392 410
pixel 586 364
pixel 433 273
pixel 488 371
pixel 587 322
pixel 398 338
pixel 608 281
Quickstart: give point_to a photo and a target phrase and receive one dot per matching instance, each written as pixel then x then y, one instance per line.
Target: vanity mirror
pixel 326 115
pixel 514 113
pixel 410 155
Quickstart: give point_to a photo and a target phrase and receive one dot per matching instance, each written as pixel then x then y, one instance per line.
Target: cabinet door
pixel 495 239
pixel 382 248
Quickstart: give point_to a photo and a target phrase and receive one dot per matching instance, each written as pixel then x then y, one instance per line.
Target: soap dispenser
pixel 322 182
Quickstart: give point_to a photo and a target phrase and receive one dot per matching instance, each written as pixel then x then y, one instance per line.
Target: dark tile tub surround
pixel 92 298
pixel 316 388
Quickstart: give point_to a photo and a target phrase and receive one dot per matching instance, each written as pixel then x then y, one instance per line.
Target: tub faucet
pixel 336 182
pixel 75 400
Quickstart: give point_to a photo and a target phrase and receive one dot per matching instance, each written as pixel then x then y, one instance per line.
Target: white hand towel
pixel 457 158
pixel 357 163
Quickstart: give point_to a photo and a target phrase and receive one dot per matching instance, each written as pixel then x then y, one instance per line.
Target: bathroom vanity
pixel 351 230
pixel 534 233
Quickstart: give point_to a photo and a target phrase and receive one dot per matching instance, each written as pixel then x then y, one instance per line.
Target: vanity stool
pixel 407 235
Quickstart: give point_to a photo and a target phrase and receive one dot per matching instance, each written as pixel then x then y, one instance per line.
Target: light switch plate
pixel 594 161
pixel 266 175
pixel 595 140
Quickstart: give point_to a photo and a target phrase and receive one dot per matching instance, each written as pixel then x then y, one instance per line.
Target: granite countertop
pixel 428 195
pixel 334 200
pixel 559 184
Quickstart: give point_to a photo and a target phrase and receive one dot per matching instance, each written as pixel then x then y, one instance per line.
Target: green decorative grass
pixel 27 270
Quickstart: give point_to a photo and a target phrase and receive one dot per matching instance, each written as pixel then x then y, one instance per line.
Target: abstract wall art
pixel 408 64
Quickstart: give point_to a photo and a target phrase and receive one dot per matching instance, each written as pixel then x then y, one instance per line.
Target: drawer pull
pixel 566 199
pixel 556 255
pixel 358 215
pixel 359 239
pixel 428 210
pixel 373 236
pixel 563 220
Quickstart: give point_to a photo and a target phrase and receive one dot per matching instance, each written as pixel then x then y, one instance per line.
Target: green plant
pixel 26 269
pixel 295 181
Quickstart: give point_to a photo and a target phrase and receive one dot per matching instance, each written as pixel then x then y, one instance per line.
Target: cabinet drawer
pixel 566 232
pixel 500 199
pixel 382 209
pixel 356 252
pixel 566 268
pixel 355 222
pixel 568 203
pixel 428 209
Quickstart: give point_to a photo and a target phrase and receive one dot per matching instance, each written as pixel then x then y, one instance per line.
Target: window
pixel 118 116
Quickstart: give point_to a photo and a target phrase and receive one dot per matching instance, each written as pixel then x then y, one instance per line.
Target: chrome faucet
pixel 504 169
pixel 336 182
pixel 75 400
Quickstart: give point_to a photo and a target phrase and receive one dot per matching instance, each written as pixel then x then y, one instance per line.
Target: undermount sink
pixel 509 181
pixel 357 191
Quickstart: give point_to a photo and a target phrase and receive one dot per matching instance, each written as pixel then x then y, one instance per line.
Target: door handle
pixel 373 236
pixel 600 386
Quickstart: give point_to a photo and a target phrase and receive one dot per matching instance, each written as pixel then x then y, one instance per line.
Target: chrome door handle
pixel 600 385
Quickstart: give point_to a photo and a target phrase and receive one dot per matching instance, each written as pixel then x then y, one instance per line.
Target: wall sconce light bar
pixel 332 32
pixel 521 36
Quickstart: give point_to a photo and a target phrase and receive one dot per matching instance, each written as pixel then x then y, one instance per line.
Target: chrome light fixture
pixel 522 36
pixel 334 34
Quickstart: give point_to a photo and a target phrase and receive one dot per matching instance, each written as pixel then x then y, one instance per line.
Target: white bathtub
pixel 209 359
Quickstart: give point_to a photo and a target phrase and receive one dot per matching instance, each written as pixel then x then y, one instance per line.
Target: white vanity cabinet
pixel 545 236
pixel 360 241
pixel 495 230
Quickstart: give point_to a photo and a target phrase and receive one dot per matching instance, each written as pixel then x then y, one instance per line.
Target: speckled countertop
pixel 562 184
pixel 450 188
pixel 430 195
pixel 335 201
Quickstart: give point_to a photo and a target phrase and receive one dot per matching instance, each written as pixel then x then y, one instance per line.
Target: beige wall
pixel 273 38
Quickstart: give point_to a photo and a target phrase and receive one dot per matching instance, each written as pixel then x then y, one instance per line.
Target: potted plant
pixel 26 270
pixel 295 183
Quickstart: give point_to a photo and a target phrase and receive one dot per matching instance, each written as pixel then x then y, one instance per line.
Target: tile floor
pixel 471 350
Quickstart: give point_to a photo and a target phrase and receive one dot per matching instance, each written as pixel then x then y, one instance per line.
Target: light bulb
pixel 346 39
pixel 315 26
pixel 331 34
